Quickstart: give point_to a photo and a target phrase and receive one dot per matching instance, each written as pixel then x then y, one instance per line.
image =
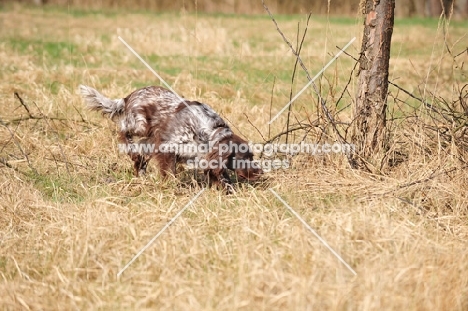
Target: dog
pixel 176 130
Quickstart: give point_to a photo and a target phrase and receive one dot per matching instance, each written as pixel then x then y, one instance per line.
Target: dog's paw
pixel 229 188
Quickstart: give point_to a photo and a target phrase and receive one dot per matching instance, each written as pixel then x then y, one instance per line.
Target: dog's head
pixel 239 158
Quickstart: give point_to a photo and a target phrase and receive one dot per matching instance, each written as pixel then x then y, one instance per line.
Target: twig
pixel 11 137
pixel 292 129
pixel 33 117
pixel 43 116
pixel 55 161
pixel 408 93
pixel 431 176
pixel 286 40
pixel 321 100
pixel 462 52
pixel 299 59
pixel 347 84
pixel 79 113
pixel 19 147
pixel 333 123
pixel 253 125
pixel 347 54
pixel 73 164
pixel 5 162
pixel 23 104
pixel 59 145
pixel 271 105
pixel 8 165
pixel 240 132
pixel 292 81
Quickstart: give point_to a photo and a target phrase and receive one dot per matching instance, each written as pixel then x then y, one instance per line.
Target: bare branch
pixel 287 41
pixel 253 125
pixel 23 104
pixel 290 130
pixel 19 146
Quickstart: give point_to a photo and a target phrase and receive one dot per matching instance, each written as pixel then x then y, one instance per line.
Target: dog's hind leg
pixel 139 157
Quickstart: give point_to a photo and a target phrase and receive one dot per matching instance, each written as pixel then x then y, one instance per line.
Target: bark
pixel 371 101
pixel 447 6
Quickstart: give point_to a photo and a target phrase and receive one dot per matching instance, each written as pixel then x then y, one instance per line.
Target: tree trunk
pixel 447 6
pixel 369 132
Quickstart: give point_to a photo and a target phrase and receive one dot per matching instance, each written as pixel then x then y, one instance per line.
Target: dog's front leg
pixel 220 179
pixel 140 163
pixel 226 182
pixel 167 164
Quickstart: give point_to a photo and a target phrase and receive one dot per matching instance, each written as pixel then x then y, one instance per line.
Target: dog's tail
pixel 96 101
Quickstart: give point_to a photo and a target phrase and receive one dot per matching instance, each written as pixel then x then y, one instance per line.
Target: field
pixel 72 215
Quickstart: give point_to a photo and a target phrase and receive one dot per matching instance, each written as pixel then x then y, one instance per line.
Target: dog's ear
pixel 221 135
pixel 221 154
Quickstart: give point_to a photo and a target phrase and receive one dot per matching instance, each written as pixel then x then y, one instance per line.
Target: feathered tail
pixel 96 101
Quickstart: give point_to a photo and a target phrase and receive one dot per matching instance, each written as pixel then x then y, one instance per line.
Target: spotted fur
pixel 155 115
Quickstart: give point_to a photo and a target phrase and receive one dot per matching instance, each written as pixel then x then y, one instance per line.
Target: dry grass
pixel 73 216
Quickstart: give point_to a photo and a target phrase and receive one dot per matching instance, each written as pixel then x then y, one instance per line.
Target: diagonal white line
pixel 313 79
pixel 159 77
pixel 149 67
pixel 159 233
pixel 313 232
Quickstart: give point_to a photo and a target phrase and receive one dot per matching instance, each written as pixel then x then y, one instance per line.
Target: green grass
pixel 426 22
pixel 58 189
pixel 53 50
pixel 48 51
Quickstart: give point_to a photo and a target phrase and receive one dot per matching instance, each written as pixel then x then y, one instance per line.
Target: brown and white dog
pixel 179 130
